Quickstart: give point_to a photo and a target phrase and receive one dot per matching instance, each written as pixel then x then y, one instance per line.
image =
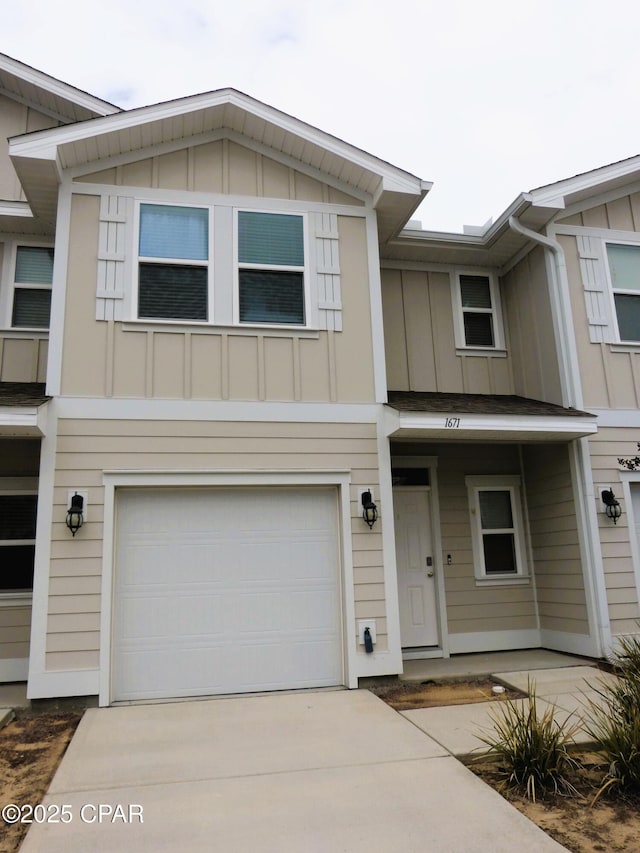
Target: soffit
pixel 38 156
pixel 22 408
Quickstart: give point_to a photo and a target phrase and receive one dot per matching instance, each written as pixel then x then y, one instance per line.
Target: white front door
pixel 415 565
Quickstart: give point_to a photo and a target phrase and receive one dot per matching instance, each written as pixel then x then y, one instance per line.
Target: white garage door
pixel 225 591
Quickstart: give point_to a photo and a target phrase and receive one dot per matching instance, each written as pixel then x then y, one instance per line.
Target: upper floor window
pixel 478 322
pixel 33 275
pixel 173 263
pixel 624 269
pixel 271 268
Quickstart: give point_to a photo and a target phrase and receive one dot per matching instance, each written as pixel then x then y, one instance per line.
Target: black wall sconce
pixel 369 509
pixel 612 507
pixel 75 514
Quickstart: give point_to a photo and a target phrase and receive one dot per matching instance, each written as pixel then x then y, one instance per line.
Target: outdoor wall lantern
pixel 612 507
pixel 75 513
pixel 369 509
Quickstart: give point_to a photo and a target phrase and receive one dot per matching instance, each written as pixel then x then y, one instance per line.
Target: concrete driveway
pixel 305 772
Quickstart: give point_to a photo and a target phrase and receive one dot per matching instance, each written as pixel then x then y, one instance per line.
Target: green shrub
pixel 613 722
pixel 533 750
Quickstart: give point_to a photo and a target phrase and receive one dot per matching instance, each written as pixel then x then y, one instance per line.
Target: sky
pixel 486 99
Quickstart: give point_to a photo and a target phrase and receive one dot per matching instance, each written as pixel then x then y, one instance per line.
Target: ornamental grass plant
pixel 532 748
pixel 613 721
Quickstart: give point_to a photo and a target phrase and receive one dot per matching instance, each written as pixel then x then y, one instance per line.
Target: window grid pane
pixel 34 265
pixel 18 516
pixel 475 291
pixel 31 308
pixel 499 553
pixel 628 313
pixel 174 232
pixel 478 330
pixel 172 292
pixel 267 296
pixel 271 239
pixel 495 510
pixel 624 265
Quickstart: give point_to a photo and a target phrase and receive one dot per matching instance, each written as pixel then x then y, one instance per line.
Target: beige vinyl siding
pixel 528 318
pixel 221 167
pixel 609 379
pixel 472 607
pixel 420 340
pixel 555 541
pixel 86 448
pixel 16 118
pixel 106 359
pixel 15 632
pixel 620 578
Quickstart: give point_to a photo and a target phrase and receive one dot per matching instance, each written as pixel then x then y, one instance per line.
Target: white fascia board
pixel 56 87
pixel 21 420
pixel 15 208
pixel 41 144
pixel 544 196
pixel 460 425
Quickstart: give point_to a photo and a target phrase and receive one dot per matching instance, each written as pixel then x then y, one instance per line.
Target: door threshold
pixel 426 653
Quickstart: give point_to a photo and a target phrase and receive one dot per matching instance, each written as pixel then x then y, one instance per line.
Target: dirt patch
pixel 607 826
pixel 31 748
pixel 430 694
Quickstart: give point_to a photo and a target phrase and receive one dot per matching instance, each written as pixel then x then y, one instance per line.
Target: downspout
pixel 571 388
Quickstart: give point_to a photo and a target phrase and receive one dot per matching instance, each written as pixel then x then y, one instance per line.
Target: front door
pixel 415 565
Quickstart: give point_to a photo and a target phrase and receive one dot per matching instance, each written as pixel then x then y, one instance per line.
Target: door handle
pixel 429 574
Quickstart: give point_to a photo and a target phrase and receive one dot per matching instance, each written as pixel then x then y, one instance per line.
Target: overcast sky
pixel 486 99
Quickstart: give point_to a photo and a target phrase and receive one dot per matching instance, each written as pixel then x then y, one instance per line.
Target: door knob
pixel 429 574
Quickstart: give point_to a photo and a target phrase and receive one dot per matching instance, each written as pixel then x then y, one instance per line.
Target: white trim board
pixel 14 669
pixel 494 641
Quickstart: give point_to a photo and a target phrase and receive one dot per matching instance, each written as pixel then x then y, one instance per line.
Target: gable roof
pixel 52 97
pixel 39 156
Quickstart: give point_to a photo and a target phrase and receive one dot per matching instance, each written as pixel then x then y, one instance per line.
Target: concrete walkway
pixel 312 772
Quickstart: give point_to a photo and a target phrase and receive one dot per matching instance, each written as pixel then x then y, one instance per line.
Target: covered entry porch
pixel 490 526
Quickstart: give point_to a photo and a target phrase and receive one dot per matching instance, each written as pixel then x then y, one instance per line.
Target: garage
pixel 227 590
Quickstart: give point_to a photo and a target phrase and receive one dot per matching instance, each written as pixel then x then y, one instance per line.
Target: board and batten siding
pixel 112 359
pixel 529 322
pixel 620 578
pixel 16 118
pixel 555 543
pixel 86 448
pixel 221 167
pixel 610 377
pixel 420 341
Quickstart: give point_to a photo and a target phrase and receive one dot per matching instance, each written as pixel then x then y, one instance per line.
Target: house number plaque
pixel 452 423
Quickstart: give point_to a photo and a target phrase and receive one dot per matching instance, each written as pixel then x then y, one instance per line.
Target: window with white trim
pixel 624 272
pixel 478 318
pixel 173 263
pixel 271 268
pixel 18 507
pixel 497 528
pixel 32 279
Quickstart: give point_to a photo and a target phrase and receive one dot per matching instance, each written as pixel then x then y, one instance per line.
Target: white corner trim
pixel 377 322
pixel 572 644
pixel 59 292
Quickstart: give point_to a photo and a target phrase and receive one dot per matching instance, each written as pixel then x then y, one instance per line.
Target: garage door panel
pixel 226 591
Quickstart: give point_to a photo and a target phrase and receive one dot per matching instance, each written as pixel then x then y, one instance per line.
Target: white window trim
pixel 512 484
pixel 8 284
pixel 17 486
pixel 499 347
pixel 310 307
pixel 171 261
pixel 609 241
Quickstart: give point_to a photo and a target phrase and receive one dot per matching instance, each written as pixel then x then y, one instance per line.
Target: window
pixel 496 527
pixel 18 505
pixel 271 268
pixel 477 308
pixel 173 270
pixel 624 269
pixel 32 287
